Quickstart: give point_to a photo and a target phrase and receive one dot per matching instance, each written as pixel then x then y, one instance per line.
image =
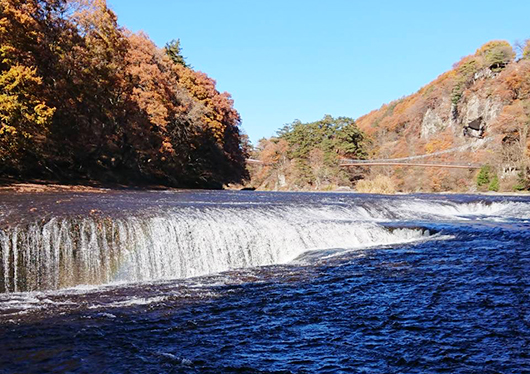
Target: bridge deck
pixel 410 164
pixel 395 162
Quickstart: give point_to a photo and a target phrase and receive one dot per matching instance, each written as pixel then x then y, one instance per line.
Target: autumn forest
pixel 477 114
pixel 82 99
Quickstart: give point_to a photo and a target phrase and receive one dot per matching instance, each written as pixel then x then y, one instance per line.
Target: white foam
pixel 464 211
pixel 22 303
pixel 134 301
pixel 189 242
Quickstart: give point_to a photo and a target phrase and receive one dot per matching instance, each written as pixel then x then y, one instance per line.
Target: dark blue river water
pixel 322 283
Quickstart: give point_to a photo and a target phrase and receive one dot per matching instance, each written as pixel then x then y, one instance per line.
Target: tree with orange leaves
pixel 24 113
pixel 218 140
pixel 83 98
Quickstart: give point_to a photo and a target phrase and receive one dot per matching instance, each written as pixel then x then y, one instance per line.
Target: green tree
pixel 174 51
pixel 333 136
pixel 523 183
pixel 351 141
pixel 496 54
pixel 315 149
pixel 484 176
pixel 465 71
pixel 494 184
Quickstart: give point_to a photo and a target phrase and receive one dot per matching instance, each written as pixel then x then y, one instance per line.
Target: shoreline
pixel 20 187
pixel 43 186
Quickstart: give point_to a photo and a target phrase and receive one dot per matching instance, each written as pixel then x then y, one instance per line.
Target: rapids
pixel 263 282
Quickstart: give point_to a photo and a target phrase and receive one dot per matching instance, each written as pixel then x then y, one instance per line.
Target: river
pixel 256 282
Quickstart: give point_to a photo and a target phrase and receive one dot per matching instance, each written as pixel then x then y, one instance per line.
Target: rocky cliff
pixel 479 112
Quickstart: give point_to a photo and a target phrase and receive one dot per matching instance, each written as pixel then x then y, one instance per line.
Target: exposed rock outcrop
pixel 486 96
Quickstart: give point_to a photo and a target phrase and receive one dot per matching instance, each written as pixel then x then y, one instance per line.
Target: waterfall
pixel 67 251
pixel 161 237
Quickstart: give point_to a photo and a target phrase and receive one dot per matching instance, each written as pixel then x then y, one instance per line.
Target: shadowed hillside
pixel 83 99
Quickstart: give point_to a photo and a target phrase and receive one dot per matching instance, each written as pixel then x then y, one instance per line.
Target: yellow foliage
pixel 7 130
pixel 437 145
pixel 381 184
pixel 21 113
pixel 438 180
pixel 492 44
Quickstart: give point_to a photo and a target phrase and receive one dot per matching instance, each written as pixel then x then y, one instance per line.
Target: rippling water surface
pixel 226 282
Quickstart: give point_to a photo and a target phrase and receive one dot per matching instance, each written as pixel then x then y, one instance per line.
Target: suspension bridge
pixel 416 161
pixel 392 162
pixel 411 161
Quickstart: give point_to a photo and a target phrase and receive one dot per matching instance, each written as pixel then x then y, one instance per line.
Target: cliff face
pixel 478 112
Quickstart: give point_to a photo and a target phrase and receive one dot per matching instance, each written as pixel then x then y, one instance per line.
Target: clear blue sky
pixel 301 59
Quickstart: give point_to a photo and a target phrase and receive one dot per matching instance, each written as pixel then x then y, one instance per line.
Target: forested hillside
pixel 477 113
pixel 306 155
pixel 82 98
pixel 480 109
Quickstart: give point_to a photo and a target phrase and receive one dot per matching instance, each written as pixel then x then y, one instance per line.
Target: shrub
pixel 494 184
pixel 523 184
pixel 380 184
pixel 496 54
pixel 484 177
pixel 487 177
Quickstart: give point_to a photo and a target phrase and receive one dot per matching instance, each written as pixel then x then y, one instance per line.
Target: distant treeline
pixel 305 156
pixel 84 99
